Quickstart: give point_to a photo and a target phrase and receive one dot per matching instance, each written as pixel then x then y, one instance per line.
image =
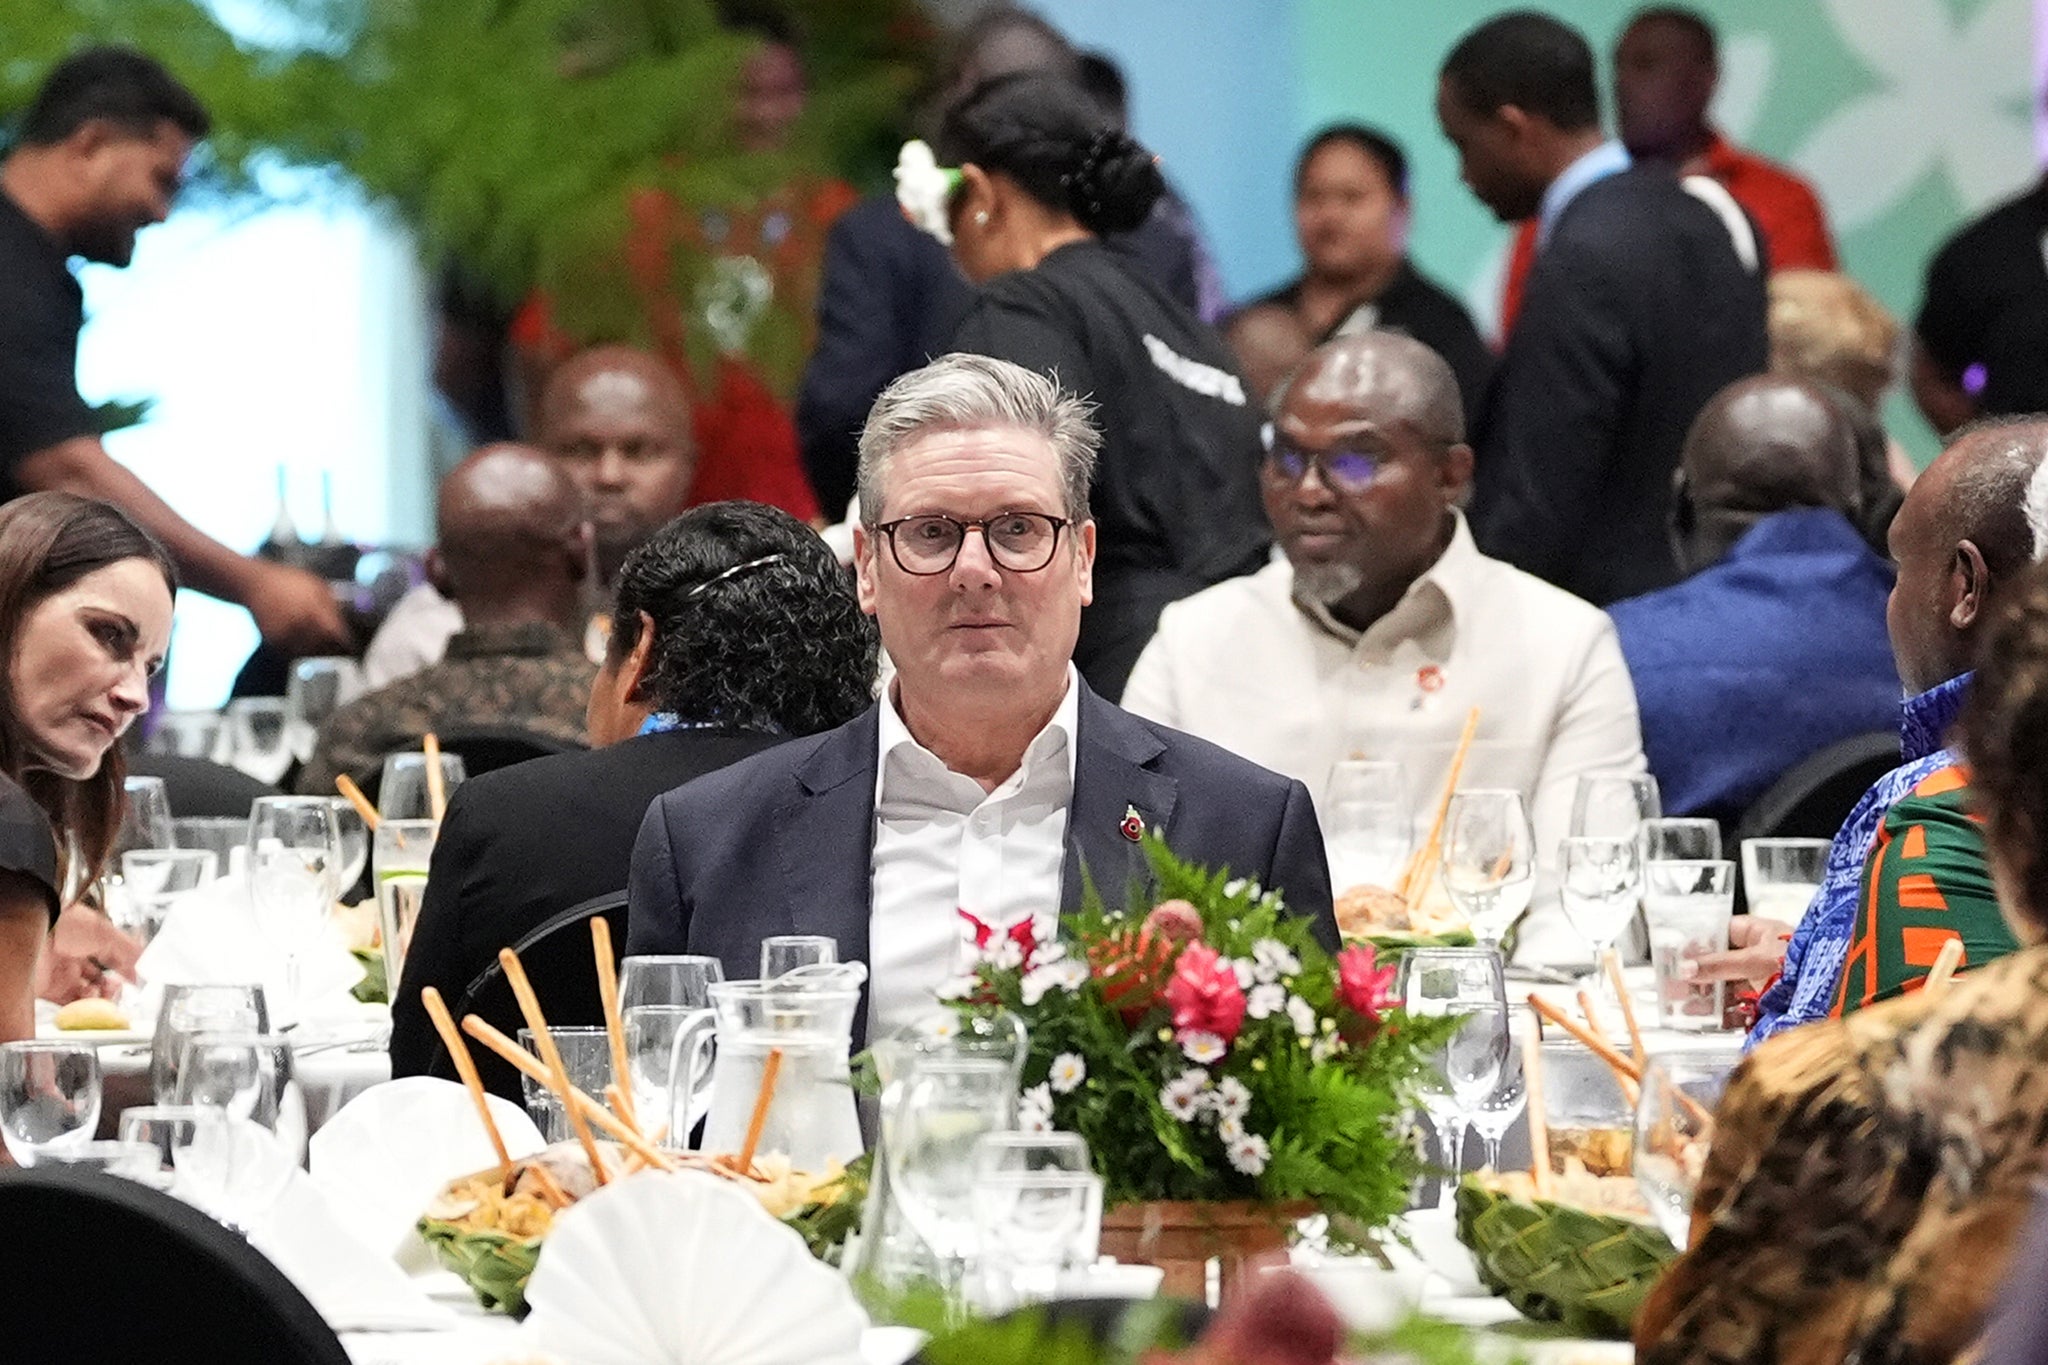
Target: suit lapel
pixel 1113 774
pixel 825 835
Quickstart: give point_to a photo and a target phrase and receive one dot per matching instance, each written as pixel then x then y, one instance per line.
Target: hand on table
pixel 86 957
pixel 1756 950
pixel 296 611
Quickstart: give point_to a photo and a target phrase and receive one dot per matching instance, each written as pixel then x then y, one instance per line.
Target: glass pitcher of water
pixel 812 1118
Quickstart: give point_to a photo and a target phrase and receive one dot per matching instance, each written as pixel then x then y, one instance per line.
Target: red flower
pixel 1204 994
pixel 1363 986
pixel 1020 933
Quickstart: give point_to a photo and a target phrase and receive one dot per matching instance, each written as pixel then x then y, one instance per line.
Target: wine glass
pixel 188 734
pixel 145 816
pixel 355 843
pixel 49 1097
pixel 258 743
pixel 1467 982
pixel 1368 824
pixel 225 836
pixel 782 954
pixel 401 854
pixel 402 792
pixel 1673 1125
pixel 1614 804
pixel 930 1133
pixel 294 861
pixel 191 1010
pixel 1681 840
pixel 1600 885
pixel 154 879
pixel 682 980
pixel 1489 864
pixel 317 688
pixel 248 1076
pixel 1493 1116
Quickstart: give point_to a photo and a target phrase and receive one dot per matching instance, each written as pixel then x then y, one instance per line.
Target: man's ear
pixel 437 572
pixel 1455 475
pixel 638 663
pixel 864 566
pixel 1969 586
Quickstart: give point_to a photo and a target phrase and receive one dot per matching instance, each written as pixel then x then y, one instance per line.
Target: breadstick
pixel 1597 1045
pixel 465 1067
pixel 528 1065
pixel 1629 1089
pixel 437 785
pixel 1611 960
pixel 1422 867
pixel 614 1024
pixel 1539 1123
pixel 529 1005
pixel 1945 963
pixel 346 785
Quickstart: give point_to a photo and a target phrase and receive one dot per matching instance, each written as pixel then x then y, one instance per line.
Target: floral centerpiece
pixel 1223 1067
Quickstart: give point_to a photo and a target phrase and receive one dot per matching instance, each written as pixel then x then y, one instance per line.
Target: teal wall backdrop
pixel 1909 116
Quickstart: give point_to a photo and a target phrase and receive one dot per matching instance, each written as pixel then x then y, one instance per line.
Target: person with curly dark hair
pixel 734 628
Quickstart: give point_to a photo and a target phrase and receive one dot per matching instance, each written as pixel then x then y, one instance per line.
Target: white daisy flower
pixel 1037 1097
pixel 1068 1071
pixel 1247 972
pixel 1325 1047
pixel 1070 975
pixel 922 188
pixel 1248 1153
pixel 956 988
pixel 1302 1014
pixel 1004 954
pixel 1232 1100
pixel 1194 1081
pixel 1203 1047
pixel 1262 1002
pixel 1033 1121
pixel 1230 1128
pixel 1182 1104
pixel 1235 885
pixel 943 1026
pixel 1274 959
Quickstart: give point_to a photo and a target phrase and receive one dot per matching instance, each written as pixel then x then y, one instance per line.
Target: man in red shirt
pixel 1666 66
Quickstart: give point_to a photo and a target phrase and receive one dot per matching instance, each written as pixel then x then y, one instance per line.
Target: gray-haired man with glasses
pixel 1384 626
pixel 988 776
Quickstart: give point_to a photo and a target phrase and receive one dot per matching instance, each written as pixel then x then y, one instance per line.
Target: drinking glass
pixel 1466 982
pixel 1673 1125
pixel 355 843
pixel 225 836
pixel 1780 877
pixel 399 857
pixel 679 979
pixel 1368 824
pixel 1688 840
pixel 586 1056
pixel 1587 1113
pixel 1614 804
pixel 152 880
pixel 1024 1152
pixel 163 1128
pixel 1600 884
pixel 1688 905
pixel 188 1011
pixel 652 1032
pixel 1493 1116
pixel 257 740
pixel 929 1134
pixel 248 1076
pixel 1030 1226
pixel 49 1097
pixel 1489 862
pixel 294 861
pixel 136 1161
pixel 316 689
pixel 402 791
pixel 145 816
pixel 188 734
pixel 784 953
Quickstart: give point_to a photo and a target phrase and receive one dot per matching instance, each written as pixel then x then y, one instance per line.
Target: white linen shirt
pixel 1241 665
pixel 943 846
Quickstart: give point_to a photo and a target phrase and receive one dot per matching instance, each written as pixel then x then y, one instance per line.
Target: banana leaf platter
pixel 1557 1263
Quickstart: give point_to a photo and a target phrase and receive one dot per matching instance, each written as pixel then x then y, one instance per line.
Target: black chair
pixel 196 787
pixel 1813 799
pixel 562 965
pixel 482 749
pixel 189 1289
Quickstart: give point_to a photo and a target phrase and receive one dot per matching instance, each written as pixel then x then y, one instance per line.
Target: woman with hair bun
pixel 1030 174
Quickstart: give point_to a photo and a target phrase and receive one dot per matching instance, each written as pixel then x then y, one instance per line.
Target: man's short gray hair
pixel 963 392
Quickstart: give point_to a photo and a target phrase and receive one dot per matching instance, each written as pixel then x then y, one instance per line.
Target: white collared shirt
pixel 1243 666
pixel 943 846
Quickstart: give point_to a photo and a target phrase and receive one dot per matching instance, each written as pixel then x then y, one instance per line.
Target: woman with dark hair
pixel 1351 217
pixel 1869 1176
pixel 1034 174
pixel 85 616
pixel 733 629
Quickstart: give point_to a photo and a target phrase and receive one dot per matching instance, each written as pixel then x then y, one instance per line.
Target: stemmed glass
pixel 1614 804
pixel 930 1131
pixel 355 843
pixel 316 689
pixel 1673 1125
pixel 1493 1116
pixel 154 879
pixel 1489 863
pixel 294 862
pixel 782 954
pixel 1465 982
pixel 188 734
pixel 1368 824
pixel 249 1076
pixel 49 1097
pixel 259 744
pixel 1600 886
pixel 401 855
pixel 679 979
pixel 145 816
pixel 402 791
pixel 188 1011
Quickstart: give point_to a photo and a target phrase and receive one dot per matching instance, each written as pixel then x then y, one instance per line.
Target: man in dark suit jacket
pixel 734 629
pixel 988 780
pixel 1646 298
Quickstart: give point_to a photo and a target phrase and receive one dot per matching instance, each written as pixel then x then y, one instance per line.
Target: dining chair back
pixel 1816 795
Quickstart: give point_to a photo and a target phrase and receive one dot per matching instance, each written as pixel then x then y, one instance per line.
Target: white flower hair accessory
pixel 922 188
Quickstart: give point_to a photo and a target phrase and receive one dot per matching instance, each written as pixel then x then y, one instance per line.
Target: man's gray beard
pixel 1325 585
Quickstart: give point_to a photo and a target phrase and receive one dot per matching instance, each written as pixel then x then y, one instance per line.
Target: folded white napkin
pixel 391 1149
pixel 681 1268
pixel 356 1289
pixel 213 937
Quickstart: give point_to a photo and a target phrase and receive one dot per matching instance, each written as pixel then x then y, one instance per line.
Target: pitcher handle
pixel 687 1070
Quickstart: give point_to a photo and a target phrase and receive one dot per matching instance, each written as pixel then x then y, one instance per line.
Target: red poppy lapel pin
pixel 1133 824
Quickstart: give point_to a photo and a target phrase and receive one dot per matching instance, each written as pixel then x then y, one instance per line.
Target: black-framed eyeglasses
pixel 1342 471
pixel 1018 542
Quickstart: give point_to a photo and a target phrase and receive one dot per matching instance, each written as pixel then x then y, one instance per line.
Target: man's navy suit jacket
pixel 783 842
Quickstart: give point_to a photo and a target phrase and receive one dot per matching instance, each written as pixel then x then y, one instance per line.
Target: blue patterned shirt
pixel 1814 957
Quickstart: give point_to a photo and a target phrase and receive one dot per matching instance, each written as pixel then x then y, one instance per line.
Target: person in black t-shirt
pixel 1351 218
pixel 100 156
pixel 1042 174
pixel 1982 337
pixel 85 615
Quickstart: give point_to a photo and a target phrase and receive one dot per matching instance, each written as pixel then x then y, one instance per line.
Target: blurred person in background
pixel 1038 174
pixel 100 155
pixel 1351 218
pixel 1980 344
pixel 734 630
pixel 85 617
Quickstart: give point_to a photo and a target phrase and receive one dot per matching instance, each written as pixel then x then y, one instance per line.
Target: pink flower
pixel 1174 921
pixel 1363 986
pixel 1204 995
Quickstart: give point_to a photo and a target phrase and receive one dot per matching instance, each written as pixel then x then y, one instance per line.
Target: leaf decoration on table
pixel 1559 1263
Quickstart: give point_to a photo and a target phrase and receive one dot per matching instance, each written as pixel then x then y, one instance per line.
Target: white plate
pixel 98 1037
